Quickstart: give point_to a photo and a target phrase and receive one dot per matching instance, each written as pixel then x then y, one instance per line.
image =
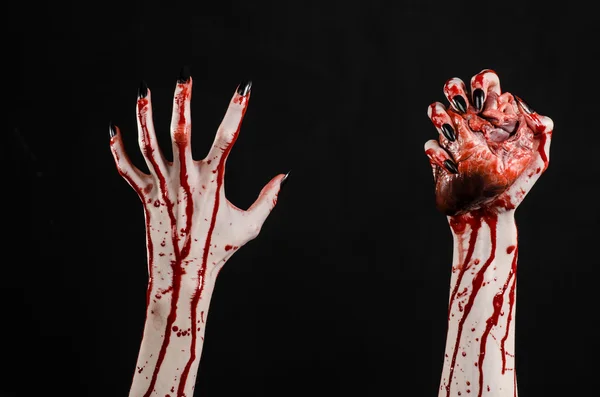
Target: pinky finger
pixel 439 157
pixel 136 178
pixel 538 123
pixel 542 127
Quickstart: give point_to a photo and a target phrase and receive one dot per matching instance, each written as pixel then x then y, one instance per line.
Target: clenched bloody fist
pixel 491 149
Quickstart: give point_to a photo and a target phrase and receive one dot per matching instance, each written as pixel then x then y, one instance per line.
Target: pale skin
pixel 492 148
pixel 191 231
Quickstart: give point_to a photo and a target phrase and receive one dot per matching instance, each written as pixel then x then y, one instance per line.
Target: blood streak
pixel 492 220
pixel 458 224
pixel 542 149
pixel 176 263
pixel 183 177
pixel 511 303
pixel 202 272
pixel 478 79
pixel 541 129
pixel 150 254
pixel 498 301
pixel 452 89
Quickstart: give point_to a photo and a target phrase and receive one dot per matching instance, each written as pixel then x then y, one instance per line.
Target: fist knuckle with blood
pixel 490 145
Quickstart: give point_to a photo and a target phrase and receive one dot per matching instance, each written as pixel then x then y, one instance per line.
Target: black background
pixel 345 290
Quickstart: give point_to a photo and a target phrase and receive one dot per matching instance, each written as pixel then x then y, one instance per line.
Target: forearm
pixel 481 313
pixel 173 335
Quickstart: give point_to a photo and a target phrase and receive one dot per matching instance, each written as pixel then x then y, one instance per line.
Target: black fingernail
pixel 284 179
pixel 525 106
pixel 478 97
pixel 451 166
pixel 112 130
pixel 184 75
pixel 244 87
pixel 459 103
pixel 142 90
pixel 448 132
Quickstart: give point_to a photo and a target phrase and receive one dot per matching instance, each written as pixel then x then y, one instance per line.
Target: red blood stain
pixel 198 292
pixel 492 321
pixel 150 246
pixel 511 303
pixel 478 80
pixel 492 220
pixel 458 224
pixel 510 249
pixel 542 150
pixel 175 264
pixel 452 90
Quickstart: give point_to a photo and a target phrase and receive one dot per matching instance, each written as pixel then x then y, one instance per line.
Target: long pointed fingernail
pixel 184 75
pixel 112 130
pixel 525 106
pixel 459 103
pixel 451 166
pixel 448 132
pixel 478 97
pixel 142 90
pixel 244 87
pixel 284 179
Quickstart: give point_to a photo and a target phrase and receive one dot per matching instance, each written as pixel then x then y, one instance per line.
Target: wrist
pixel 464 222
pixel 482 237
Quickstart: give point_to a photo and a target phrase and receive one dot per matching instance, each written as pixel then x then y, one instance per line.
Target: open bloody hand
pixel 491 149
pixel 191 231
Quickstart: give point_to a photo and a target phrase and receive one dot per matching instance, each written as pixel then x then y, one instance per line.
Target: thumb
pixel 264 204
